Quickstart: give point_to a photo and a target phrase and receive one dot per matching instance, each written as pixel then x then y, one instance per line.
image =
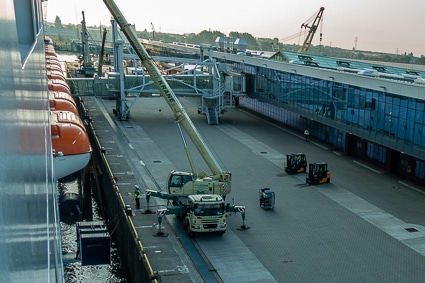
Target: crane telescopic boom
pixel 167 93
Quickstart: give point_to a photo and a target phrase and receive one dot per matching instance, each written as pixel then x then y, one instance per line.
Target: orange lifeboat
pixel 62 101
pixel 58 85
pixel 50 50
pixel 53 61
pixel 70 143
pixel 51 67
pixel 55 75
pixel 52 56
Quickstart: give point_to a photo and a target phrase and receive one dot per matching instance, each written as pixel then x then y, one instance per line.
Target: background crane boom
pixel 312 30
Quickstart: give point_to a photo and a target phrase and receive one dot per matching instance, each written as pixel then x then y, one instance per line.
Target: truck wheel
pixel 189 232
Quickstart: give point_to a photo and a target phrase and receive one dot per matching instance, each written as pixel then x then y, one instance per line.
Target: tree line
pixel 64 36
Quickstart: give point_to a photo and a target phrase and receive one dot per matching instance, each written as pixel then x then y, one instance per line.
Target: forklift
pixel 267 198
pixel 318 173
pixel 295 163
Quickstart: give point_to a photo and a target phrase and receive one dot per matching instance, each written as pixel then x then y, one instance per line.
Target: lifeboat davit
pixel 69 195
pixel 70 143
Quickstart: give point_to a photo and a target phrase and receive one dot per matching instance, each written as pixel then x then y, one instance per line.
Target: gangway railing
pixel 138 86
pixel 205 80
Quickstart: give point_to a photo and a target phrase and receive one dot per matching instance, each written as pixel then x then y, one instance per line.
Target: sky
pixel 390 26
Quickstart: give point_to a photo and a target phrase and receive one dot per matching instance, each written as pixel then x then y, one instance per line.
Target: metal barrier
pixel 123 233
pixel 134 85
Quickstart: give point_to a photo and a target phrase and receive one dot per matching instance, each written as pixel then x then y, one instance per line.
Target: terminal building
pixel 373 112
pixel 369 110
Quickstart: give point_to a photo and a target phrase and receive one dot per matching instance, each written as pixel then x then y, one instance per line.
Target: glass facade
pixel 369 123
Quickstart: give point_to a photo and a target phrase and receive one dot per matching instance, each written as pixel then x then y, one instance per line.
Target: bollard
pixel 128 210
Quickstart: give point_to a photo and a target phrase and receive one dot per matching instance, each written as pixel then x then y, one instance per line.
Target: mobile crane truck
pixel 199 213
pixel 188 191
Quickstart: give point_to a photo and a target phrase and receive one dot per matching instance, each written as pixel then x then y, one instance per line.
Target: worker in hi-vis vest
pixel 137 196
pixel 306 134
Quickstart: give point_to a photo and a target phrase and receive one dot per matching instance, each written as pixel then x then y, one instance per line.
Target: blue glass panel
pixel 417 134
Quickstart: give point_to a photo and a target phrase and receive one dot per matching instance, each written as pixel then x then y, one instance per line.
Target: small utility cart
pixel 266 197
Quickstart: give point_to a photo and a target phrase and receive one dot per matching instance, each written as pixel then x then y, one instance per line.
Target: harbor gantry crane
pixel 87 68
pixel 312 30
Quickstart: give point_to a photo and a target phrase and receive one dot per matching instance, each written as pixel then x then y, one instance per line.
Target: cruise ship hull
pixel 30 245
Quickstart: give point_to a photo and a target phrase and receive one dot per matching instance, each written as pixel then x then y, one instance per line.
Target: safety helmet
pixel 136 186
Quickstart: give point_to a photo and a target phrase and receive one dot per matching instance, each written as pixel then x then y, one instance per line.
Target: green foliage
pixel 204 37
pixel 58 23
pixel 250 40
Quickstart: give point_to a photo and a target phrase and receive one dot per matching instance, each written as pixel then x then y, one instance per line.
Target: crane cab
pixel 177 181
pixel 186 183
pixel 318 173
pixel 295 163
